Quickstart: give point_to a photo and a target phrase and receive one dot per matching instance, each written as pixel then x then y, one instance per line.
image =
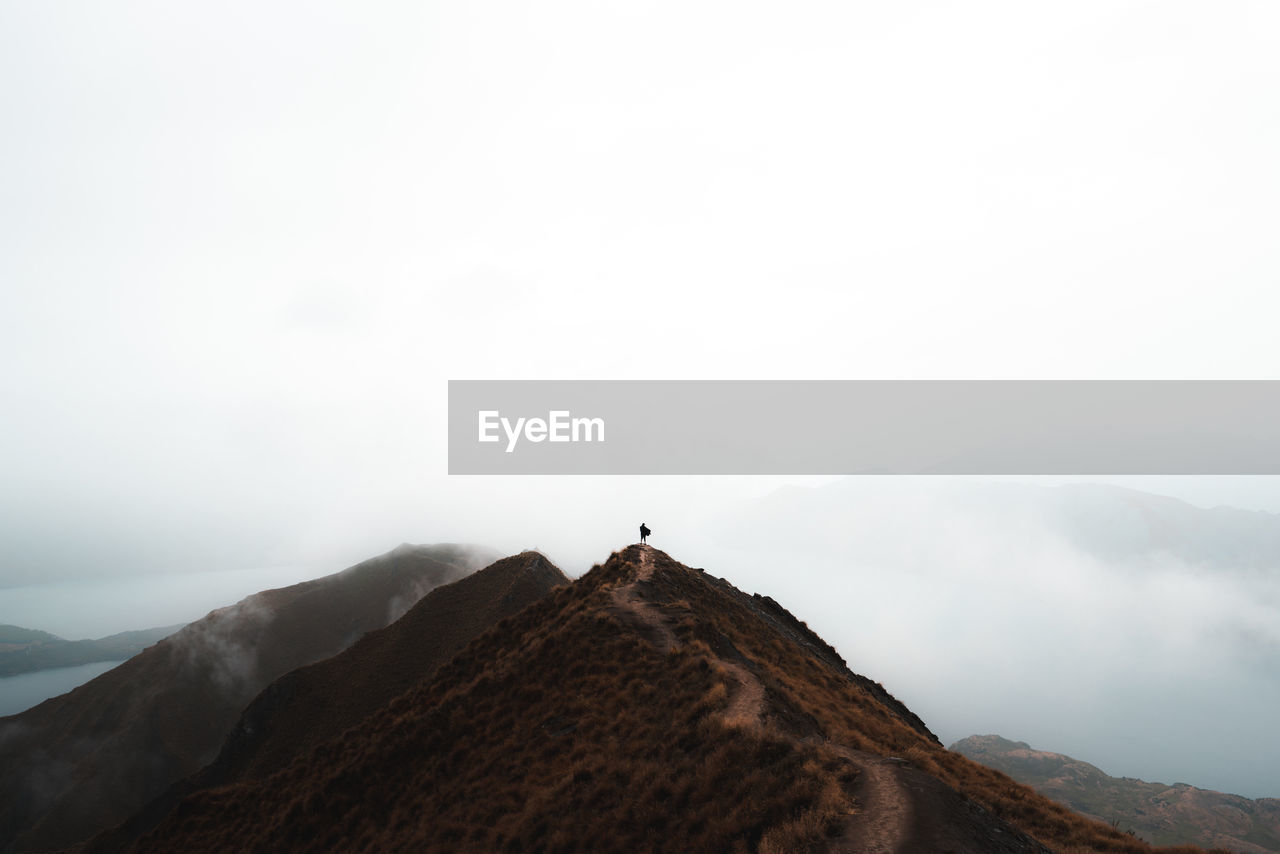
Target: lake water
pixel 21 692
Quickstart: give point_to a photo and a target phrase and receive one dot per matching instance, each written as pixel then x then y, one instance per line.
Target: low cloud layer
pixel 1123 628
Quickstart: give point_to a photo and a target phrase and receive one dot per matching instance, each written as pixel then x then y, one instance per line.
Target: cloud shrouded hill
pixel 309 705
pixel 645 706
pixel 1166 814
pixel 84 761
pixel 320 701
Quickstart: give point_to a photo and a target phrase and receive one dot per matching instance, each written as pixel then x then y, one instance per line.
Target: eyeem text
pixel 558 426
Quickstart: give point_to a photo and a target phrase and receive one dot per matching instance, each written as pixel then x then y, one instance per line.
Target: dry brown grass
pixel 556 731
pixel 800 682
pixel 561 729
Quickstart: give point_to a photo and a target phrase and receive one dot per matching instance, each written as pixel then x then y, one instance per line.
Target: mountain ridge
pixel 645 706
pixel 319 701
pixel 90 758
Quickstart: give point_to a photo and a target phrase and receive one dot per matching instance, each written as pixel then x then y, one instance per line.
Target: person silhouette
pixel 644 532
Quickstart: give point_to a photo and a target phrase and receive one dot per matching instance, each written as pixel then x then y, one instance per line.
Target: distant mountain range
pixel 26 650
pixel 84 761
pixel 1160 813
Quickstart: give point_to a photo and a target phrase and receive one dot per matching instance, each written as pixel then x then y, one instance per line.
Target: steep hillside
pixel 307 706
pixel 1161 813
pixel 647 706
pixel 314 703
pixel 84 761
pixel 26 650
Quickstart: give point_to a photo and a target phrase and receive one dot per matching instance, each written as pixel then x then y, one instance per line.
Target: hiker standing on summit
pixel 644 532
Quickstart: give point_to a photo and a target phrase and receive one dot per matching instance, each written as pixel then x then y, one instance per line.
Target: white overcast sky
pixel 243 246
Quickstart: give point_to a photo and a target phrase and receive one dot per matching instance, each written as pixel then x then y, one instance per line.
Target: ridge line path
pixel 882 824
pixel 628 603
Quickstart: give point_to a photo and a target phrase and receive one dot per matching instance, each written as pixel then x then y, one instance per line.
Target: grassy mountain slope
pixel 312 704
pixel 84 761
pixel 646 706
pixel 318 702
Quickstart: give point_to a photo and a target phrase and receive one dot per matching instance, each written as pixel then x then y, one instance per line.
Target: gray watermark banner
pixel 864 427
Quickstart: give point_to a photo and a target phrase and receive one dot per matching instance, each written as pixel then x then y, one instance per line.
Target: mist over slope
pixel 1162 813
pixel 645 706
pixel 1106 621
pixel 312 704
pixel 81 762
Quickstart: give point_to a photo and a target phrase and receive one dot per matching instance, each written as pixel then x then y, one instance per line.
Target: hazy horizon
pixel 1048 612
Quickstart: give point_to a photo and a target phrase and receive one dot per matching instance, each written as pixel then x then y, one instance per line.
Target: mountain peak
pixel 645 705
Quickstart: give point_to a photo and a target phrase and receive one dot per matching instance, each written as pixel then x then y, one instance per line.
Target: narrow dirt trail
pixel 882 824
pixel 635 609
pixel 883 820
pixel 746 702
pixel 746 705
